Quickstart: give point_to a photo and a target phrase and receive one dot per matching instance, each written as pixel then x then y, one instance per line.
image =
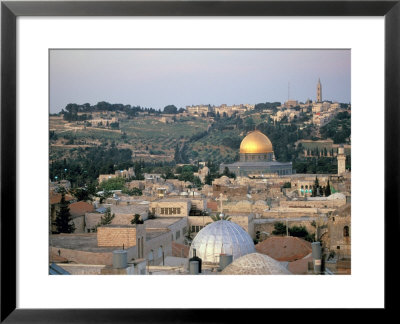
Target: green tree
pixel 117 183
pixel 137 219
pixel 170 109
pixel 298 231
pixel 219 217
pixel 63 217
pixel 107 218
pixel 132 192
pixel 81 194
pixel 328 189
pixel 315 187
pixel 279 229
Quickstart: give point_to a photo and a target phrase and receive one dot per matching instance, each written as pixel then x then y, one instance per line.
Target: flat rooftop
pixel 161 222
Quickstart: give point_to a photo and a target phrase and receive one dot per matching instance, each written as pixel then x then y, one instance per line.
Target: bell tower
pixel 341 158
pixel 319 91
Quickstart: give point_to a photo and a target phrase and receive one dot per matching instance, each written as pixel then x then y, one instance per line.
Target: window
pixel 346 231
pixel 179 211
pixel 162 211
pixel 338 247
pixel 170 211
pixel 174 211
pixel 197 229
pixel 178 234
pixel 193 228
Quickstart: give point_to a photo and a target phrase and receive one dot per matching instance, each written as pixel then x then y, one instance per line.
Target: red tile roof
pixel 284 248
pixel 80 208
pixel 55 198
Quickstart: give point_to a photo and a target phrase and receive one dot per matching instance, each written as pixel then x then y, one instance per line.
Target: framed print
pixel 193 84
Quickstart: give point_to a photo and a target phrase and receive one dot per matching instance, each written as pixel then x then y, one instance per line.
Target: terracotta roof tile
pixel 284 248
pixel 55 198
pixel 80 208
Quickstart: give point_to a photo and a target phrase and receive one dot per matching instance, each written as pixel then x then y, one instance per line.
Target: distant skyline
pixel 157 78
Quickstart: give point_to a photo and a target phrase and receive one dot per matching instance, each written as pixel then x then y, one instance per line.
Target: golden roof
pixel 256 142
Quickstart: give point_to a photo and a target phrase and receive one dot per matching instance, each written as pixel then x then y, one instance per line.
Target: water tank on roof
pixel 316 254
pixel 224 261
pixel 194 267
pixel 120 259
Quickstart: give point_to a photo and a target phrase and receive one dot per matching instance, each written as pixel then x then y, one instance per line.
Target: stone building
pixel 125 174
pixel 78 211
pixel 170 207
pixel 339 232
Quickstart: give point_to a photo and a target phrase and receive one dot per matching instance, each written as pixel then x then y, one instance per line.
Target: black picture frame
pixel 11 10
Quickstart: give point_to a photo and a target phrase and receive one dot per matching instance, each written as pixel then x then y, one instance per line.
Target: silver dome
pixel 221 237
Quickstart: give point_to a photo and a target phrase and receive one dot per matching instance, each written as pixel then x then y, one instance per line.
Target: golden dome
pixel 256 142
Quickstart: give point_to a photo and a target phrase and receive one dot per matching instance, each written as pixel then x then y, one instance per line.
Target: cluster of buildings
pixel 125 174
pixel 322 111
pixel 199 110
pixel 178 224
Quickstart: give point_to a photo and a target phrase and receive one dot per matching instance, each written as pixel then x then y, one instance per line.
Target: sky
pixel 157 78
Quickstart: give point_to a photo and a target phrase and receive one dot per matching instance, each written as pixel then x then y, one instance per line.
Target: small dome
pixel 256 142
pixel 255 264
pixel 336 196
pixel 221 237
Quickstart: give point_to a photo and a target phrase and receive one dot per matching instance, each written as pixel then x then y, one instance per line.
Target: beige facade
pixel 196 223
pixel 126 174
pixel 119 235
pixel 339 232
pixel 170 207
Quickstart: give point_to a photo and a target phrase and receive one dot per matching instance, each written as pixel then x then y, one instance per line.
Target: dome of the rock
pixel 256 142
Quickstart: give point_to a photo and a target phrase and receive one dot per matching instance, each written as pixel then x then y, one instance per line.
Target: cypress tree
pixel 63 217
pixel 328 189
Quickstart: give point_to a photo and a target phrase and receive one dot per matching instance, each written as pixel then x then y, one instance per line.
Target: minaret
pixel 319 91
pixel 341 159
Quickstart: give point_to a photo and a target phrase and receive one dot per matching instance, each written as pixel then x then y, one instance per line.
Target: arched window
pixel 346 232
